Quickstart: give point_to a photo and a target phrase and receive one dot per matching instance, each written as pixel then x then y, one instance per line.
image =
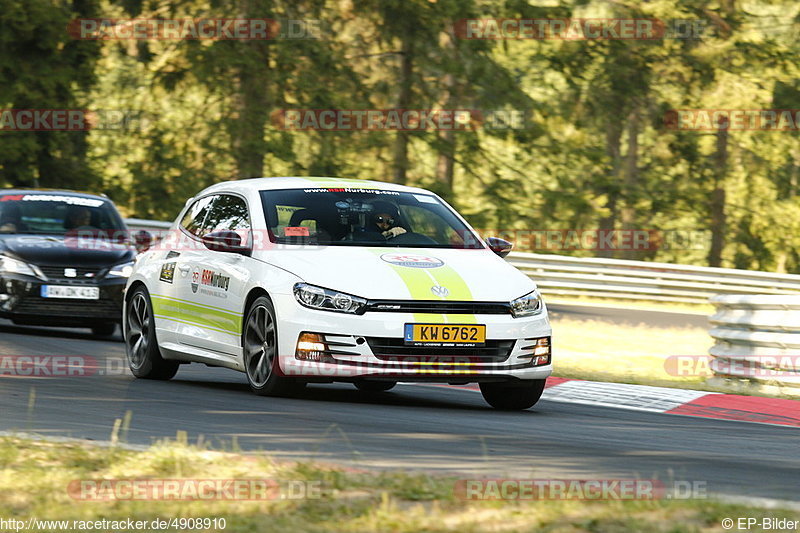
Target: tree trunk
pixel 252 99
pixel 447 142
pixel 631 180
pixel 718 218
pixel 403 102
pixel 611 188
pixel 793 175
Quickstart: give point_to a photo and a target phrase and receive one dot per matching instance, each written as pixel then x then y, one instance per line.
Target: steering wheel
pixel 411 238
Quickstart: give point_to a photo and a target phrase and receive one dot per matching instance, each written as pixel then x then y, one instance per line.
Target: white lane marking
pixel 621 395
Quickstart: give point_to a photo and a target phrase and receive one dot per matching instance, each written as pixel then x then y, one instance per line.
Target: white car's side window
pixel 193 220
pixel 227 212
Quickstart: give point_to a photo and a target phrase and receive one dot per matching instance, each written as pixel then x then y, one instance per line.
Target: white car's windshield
pixel 56 214
pixel 363 217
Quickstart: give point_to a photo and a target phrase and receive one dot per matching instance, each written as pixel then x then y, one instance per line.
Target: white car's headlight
pixel 122 270
pixel 15 266
pixel 327 300
pixel 528 305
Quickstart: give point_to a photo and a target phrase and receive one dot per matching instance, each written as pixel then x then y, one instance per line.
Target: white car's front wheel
pixel 260 345
pixel 513 396
pixel 141 347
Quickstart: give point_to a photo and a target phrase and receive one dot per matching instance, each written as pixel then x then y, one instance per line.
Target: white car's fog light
pixel 310 347
pixel 541 352
pixel 542 346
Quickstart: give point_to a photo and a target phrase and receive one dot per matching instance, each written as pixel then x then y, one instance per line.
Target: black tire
pixel 513 396
pixel 104 330
pixel 260 352
pixel 141 347
pixel 374 386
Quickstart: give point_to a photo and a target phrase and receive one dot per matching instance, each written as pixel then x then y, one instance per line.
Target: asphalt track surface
pixel 412 427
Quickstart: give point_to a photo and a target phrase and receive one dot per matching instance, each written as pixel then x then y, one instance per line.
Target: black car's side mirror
pixel 499 246
pixel 143 240
pixel 226 241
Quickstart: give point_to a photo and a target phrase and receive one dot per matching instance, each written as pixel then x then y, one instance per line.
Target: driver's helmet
pixel 385 214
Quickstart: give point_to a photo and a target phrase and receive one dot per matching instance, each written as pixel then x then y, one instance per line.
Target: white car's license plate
pixel 77 293
pixel 467 335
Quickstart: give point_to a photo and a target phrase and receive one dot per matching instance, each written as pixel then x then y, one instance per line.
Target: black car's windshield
pixel 56 214
pixel 363 217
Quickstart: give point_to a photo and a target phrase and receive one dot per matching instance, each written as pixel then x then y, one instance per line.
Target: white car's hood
pixel 405 273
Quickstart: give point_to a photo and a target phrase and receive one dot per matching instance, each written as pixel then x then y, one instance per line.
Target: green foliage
pixel 41 67
pixel 593 151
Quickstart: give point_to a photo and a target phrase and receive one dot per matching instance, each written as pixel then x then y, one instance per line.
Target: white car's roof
pixel 260 184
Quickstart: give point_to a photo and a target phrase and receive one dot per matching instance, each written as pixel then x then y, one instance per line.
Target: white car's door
pixel 171 272
pixel 213 294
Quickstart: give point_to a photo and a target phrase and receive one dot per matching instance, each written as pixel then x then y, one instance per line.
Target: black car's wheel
pixel 260 345
pixel 513 396
pixel 144 357
pixel 104 330
pixel 374 386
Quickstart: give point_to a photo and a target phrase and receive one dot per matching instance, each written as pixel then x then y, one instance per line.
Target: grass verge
pixel 35 474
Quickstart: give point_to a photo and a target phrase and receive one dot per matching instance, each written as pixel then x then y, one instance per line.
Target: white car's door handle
pixel 184 268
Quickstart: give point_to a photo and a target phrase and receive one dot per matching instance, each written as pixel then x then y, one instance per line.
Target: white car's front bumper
pixel 371 346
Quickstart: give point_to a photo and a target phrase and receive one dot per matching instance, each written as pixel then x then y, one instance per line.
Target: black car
pixel 64 259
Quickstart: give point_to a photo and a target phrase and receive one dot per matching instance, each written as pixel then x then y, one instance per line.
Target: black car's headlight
pixel 528 305
pixel 15 266
pixel 122 270
pixel 315 297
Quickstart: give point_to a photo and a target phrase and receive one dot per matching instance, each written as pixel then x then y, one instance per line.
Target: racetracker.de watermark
pixel 578 489
pixel 751 366
pixel 606 240
pixel 212 29
pixel 579 29
pixel 733 119
pixel 398 119
pixel 49 366
pixel 241 489
pixel 430 364
pixel 71 119
pixel 523 239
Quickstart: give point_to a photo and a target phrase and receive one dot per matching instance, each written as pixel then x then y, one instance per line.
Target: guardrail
pixel 150 225
pixel 757 337
pixel 559 275
pixel 644 280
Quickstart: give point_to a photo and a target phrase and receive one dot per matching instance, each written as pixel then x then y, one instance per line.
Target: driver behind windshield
pixel 11 219
pixel 385 217
pixel 78 217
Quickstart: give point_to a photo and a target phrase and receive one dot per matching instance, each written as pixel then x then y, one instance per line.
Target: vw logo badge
pixel 438 290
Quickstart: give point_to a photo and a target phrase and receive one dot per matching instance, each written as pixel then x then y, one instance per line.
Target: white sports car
pixel 316 280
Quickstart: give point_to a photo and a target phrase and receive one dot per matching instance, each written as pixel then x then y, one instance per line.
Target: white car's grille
pixel 439 307
pixel 393 349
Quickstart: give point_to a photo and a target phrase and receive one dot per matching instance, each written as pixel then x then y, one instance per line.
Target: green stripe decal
pixel 419 288
pixel 183 311
pixel 446 276
pixel 190 302
pixel 204 326
pixel 419 282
